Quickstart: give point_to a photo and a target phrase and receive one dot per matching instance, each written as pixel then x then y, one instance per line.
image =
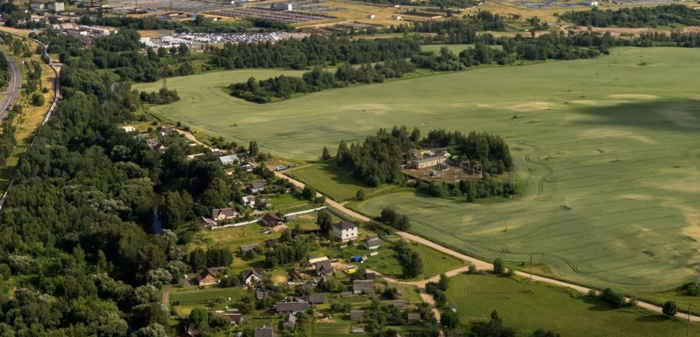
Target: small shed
pixel 290 217
pixel 356 315
pixel 413 317
pixel 399 303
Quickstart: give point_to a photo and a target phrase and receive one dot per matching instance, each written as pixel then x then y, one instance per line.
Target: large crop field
pixel 551 308
pixel 608 149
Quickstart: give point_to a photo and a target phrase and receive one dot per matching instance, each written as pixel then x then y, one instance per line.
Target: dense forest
pixel 311 51
pixel 636 17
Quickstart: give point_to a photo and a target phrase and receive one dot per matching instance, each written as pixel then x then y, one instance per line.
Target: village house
pixel 235 318
pixel 324 268
pixel 206 277
pixel 291 307
pixel 57 6
pixel 189 331
pixel 362 286
pixel 290 321
pixel 372 242
pixel 128 128
pixel 207 223
pixel 290 217
pixel 271 220
pixel 142 137
pixel 256 187
pixel 248 201
pixel 251 276
pixel 264 332
pixel 166 131
pixel 260 294
pixel 398 303
pixel 345 230
pixel 218 214
pixel 414 317
pixel 247 168
pixel 272 243
pixel 370 276
pixel 228 160
pixel 247 249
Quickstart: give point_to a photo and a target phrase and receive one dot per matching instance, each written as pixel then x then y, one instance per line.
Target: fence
pixel 238 224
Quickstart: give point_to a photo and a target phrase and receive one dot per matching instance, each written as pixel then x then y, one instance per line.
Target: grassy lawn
pixel 331 180
pixel 194 295
pixel 607 150
pixel 435 262
pixel 552 308
pixel 410 293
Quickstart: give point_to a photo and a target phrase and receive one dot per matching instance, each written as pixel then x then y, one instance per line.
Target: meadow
pixel 331 180
pixel 606 148
pixel 553 308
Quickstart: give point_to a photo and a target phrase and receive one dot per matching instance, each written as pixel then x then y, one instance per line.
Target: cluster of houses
pixel 153 143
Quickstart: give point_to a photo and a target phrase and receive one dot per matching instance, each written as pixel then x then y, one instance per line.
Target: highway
pixel 12 88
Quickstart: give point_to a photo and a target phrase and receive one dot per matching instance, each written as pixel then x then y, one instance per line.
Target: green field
pixel 607 149
pixel 552 308
pixel 331 180
pixel 434 262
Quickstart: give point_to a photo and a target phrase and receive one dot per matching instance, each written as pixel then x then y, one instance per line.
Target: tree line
pixel 635 17
pixel 283 87
pixel 310 51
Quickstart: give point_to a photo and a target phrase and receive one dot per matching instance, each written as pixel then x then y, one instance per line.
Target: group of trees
pixel 378 159
pixel 391 217
pixel 410 261
pixel 7 137
pixel 286 253
pixel 635 17
pixel 491 151
pixel 282 87
pixel 164 96
pixel 199 259
pixel 311 51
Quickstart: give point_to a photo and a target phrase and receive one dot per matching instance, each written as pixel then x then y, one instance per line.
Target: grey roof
pixel 291 306
pixel 429 159
pixel 373 243
pixel 316 299
pixel 271 218
pixel 249 247
pixel 289 318
pixel 167 130
pixel 370 276
pixel 345 225
pixel 324 267
pixel 248 272
pixel 272 243
pixel 235 317
pixel 227 160
pixel 263 332
pixel 372 237
pixel 414 317
pixel 364 285
pixel 260 294
pixel 399 303
pixel 257 184
pixel 228 212
pixel 356 314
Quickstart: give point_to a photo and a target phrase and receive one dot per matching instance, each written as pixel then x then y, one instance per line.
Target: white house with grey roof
pixel 345 230
pixel 228 160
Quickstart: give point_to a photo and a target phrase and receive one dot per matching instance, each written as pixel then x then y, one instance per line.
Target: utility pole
pixel 688 331
pixel 530 272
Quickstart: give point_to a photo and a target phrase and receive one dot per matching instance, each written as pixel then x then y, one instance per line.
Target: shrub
pixel 38 99
pixel 498 268
pixel 670 309
pixel 614 299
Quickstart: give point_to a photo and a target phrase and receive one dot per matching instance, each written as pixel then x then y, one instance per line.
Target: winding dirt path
pixel 480 265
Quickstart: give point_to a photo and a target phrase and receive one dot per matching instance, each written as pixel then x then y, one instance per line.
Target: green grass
pixel 331 180
pixel 193 295
pixel 435 262
pixel 552 308
pixel 632 223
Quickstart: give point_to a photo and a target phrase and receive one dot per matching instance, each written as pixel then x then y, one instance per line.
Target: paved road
pixel 12 88
pixel 480 265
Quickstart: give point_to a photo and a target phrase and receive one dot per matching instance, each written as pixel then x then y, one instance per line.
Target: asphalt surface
pixel 12 88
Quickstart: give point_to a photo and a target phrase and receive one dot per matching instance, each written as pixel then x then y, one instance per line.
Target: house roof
pixel 208 221
pixel 249 247
pixel 364 285
pixel 372 237
pixel 257 184
pixel 324 267
pixel 205 273
pixel 260 294
pixel 289 318
pixel 235 318
pixel 167 130
pixel 373 243
pixel 315 299
pixel 370 276
pixel 399 303
pixel 414 317
pixel 291 306
pixel 429 159
pixel 263 332
pixel 290 217
pixel 272 243
pixel 271 218
pixel 228 212
pixel 248 198
pixel 251 272
pixel 343 225
pixel 230 159
pixel 356 314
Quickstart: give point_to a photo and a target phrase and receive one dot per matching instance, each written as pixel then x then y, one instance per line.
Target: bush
pixel 360 195
pixel 472 269
pixel 614 299
pixel 690 289
pixel 38 99
pixel 498 268
pixel 670 309
pixel 45 90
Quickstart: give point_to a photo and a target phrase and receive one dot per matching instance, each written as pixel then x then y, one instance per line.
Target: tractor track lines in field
pixel 550 170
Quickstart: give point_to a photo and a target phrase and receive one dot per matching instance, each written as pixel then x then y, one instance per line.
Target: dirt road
pixel 480 265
